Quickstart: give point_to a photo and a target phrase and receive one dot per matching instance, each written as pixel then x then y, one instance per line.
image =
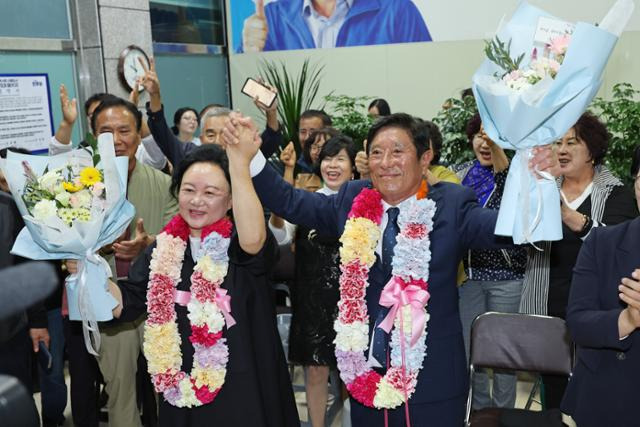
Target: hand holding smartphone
pixel 256 90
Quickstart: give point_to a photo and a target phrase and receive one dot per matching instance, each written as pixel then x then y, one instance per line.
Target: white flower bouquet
pixel 540 75
pixel 73 204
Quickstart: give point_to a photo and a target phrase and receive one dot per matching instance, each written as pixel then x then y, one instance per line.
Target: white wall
pixel 417 77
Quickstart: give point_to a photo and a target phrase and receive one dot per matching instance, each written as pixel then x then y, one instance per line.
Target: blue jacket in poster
pixel 368 22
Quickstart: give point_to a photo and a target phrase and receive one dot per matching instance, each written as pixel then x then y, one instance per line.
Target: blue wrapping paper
pixel 530 209
pixel 87 292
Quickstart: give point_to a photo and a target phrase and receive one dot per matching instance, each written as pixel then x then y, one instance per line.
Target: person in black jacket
pixel 20 334
pixel 603 317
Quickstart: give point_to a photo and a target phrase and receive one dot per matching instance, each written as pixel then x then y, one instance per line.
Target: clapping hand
pixel 128 250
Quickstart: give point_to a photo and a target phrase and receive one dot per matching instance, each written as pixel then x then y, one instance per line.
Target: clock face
pixel 131 69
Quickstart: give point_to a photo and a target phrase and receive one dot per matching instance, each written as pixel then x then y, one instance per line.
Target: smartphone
pixel 44 357
pixel 254 89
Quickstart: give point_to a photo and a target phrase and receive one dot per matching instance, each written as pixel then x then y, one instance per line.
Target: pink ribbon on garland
pixel 222 300
pixel 181 297
pixel 396 294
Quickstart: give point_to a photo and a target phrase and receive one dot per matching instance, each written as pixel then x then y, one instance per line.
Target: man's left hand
pixel 37 335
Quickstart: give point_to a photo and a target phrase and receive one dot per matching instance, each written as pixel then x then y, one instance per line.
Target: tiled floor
pixel 525 385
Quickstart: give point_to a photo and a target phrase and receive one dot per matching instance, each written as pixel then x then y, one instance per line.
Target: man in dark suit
pixel 398 153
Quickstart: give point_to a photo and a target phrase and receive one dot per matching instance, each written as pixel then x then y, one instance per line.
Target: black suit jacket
pixel 459 224
pixel 605 384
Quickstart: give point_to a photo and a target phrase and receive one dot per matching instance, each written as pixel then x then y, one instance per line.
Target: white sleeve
pixel 284 235
pixel 154 156
pixel 257 164
pixel 56 147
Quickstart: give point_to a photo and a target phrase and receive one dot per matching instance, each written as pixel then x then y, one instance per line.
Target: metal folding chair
pixel 518 342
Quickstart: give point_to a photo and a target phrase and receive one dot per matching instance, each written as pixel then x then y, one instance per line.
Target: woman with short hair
pixel 591 197
pixel 603 316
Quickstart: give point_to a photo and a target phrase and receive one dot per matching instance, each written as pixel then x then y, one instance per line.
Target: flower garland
pixel 406 295
pixel 208 308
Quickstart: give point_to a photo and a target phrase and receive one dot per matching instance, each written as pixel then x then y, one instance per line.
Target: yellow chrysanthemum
pixel 387 396
pixel 359 240
pixel 71 187
pixel 90 176
pixel 210 377
pixel 161 347
pixel 212 271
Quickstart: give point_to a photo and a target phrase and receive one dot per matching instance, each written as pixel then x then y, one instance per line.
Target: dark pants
pixel 16 357
pixel 445 413
pixel 85 375
pixel 53 389
pixel 554 388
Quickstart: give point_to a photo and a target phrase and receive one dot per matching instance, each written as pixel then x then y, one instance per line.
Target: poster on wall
pixel 26 119
pixel 269 25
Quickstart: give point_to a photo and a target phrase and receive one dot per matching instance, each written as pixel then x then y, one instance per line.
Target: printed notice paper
pixel 25 111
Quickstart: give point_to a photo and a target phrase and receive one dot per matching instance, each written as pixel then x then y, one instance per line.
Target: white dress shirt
pixel 325 30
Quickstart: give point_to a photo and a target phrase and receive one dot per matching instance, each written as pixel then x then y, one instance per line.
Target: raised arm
pixel 61 141
pixel 300 207
pixel 166 140
pixel 247 210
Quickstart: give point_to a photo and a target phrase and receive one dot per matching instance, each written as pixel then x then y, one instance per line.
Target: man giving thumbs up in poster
pixel 309 24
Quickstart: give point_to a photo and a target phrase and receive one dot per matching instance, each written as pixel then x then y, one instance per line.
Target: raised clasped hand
pixel 241 137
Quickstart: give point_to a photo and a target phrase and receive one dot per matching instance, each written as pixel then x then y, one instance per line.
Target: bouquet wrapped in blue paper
pixel 540 75
pixel 73 204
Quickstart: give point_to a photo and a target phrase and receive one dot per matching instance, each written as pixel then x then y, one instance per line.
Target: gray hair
pixel 214 112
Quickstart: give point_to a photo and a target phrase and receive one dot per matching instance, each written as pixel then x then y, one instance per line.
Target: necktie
pixel 389 239
pixel 380 337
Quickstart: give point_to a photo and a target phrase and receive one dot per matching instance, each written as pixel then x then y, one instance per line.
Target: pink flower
pixel 352 288
pixel 203 393
pixel 418 282
pixel 201 335
pixel 364 387
pixel 97 189
pixel 514 75
pixel 559 45
pixel 367 204
pixel 160 299
pixel 223 227
pixel 355 270
pixel 177 227
pixel 167 380
pixel 395 377
pixel 202 289
pixel 350 311
pixel 415 231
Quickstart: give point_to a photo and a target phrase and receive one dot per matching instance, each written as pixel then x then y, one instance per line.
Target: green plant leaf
pixel 621 115
pixel 297 92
